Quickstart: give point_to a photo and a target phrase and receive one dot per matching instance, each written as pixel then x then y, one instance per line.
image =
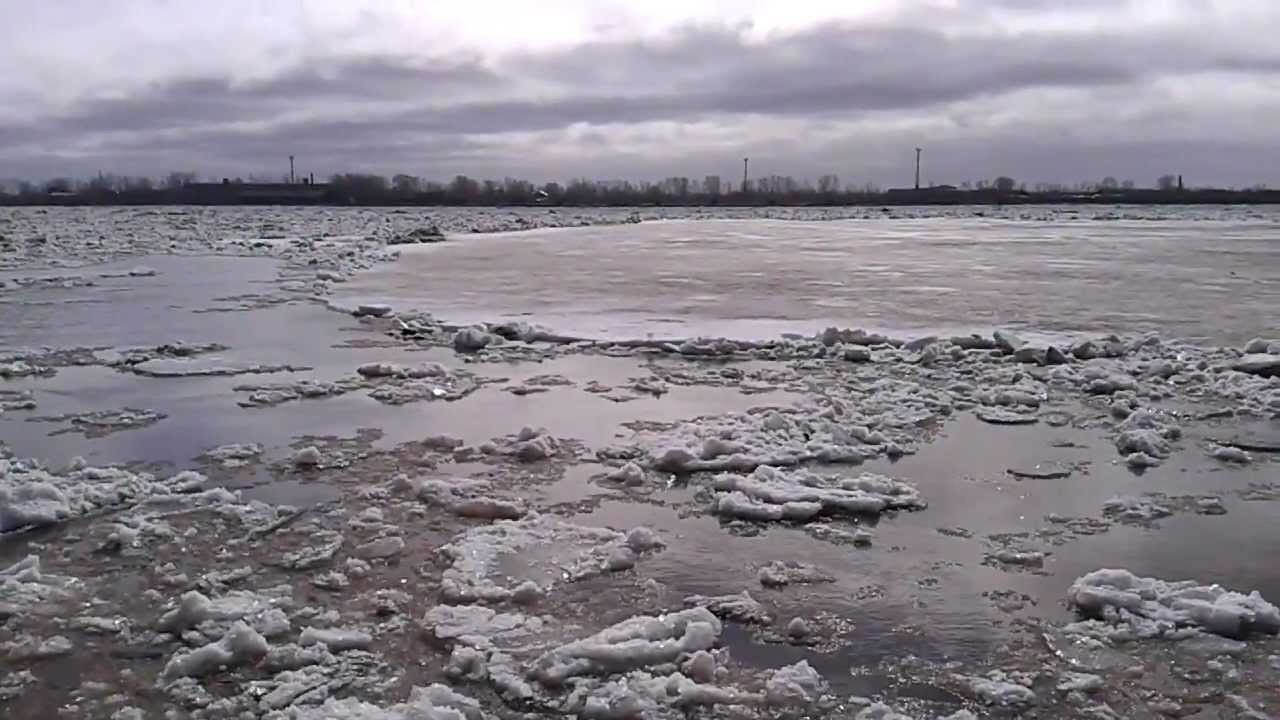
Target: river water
pixel 1193 276
pixel 927 587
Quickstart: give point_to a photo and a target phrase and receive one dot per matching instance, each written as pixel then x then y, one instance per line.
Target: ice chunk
pixel 193 608
pixel 473 339
pixel 880 711
pixel 283 658
pixel 780 573
pixel 29 648
pixel 31 496
pixel 1258 346
pixel 436 702
pixel 642 539
pixel 1007 341
pixel 772 494
pixel 740 607
pixel 856 353
pixel 701 667
pixel 307 457
pixel 995 689
pixel 635 643
pixel 798 629
pixel 242 645
pixel 372 310
pixel 336 640
pixel 1142 442
pixel 381 548
pixel 467 663
pixel 630 474
pixel 797 684
pixel 1229 454
pixel 236 454
pixel 1264 365
pixel 478 625
pixel 1135 509
pixel 1157 607
pixel 489 562
pixel 1001 416
pixel 1082 682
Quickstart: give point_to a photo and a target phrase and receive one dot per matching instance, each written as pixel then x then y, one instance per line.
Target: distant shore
pixel 321 195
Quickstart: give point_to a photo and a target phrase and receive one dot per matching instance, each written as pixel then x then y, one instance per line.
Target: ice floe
pixel 550 552
pixel 1148 607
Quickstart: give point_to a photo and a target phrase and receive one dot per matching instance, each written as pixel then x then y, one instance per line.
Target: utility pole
pixel 291 177
pixel 917 168
pixel 744 173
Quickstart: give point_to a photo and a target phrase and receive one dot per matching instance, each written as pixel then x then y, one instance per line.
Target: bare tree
pixel 178 180
pixel 1167 182
pixel 405 184
pixel 1109 183
pixel 1005 184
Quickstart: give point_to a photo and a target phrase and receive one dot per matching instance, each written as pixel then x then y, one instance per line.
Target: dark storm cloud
pixel 194 102
pixel 375 107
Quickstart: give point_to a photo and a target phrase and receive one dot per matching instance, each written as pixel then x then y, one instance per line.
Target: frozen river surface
pixel 1211 280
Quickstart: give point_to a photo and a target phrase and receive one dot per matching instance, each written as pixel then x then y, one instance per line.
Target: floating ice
pixel 739 608
pixel 1147 433
pixel 335 639
pixel 1229 454
pixel 234 455
pixel 428 233
pixel 797 684
pixel 1150 607
pixel 630 474
pixel 474 339
pixel 1001 416
pixel 241 645
pixel 770 494
pixel 435 702
pixel 373 310
pixel 307 457
pixel 996 689
pixel 780 573
pixel 23 585
pixel 635 643
pixel 31 496
pixel 479 626
pixel 1264 365
pixel 462 496
pixel 260 609
pixel 798 629
pixel 489 562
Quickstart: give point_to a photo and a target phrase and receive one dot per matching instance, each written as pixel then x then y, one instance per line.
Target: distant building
pixel 711 185
pixel 923 190
pixel 231 193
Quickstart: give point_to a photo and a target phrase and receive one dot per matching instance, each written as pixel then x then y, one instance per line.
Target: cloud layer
pixel 1043 90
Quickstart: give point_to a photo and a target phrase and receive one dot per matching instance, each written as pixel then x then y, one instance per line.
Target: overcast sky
pixel 1042 90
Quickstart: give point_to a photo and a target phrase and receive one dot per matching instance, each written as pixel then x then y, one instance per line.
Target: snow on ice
pixel 1147 607
pixel 549 552
pixel 31 496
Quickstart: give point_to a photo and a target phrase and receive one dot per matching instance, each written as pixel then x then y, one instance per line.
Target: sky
pixel 1056 91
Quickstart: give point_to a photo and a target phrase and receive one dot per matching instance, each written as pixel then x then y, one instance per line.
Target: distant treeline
pixel 405 190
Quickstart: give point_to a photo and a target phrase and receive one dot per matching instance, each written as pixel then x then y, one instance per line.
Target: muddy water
pixel 1184 278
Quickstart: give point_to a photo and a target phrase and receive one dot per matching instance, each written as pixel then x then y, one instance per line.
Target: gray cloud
pixel 379 111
